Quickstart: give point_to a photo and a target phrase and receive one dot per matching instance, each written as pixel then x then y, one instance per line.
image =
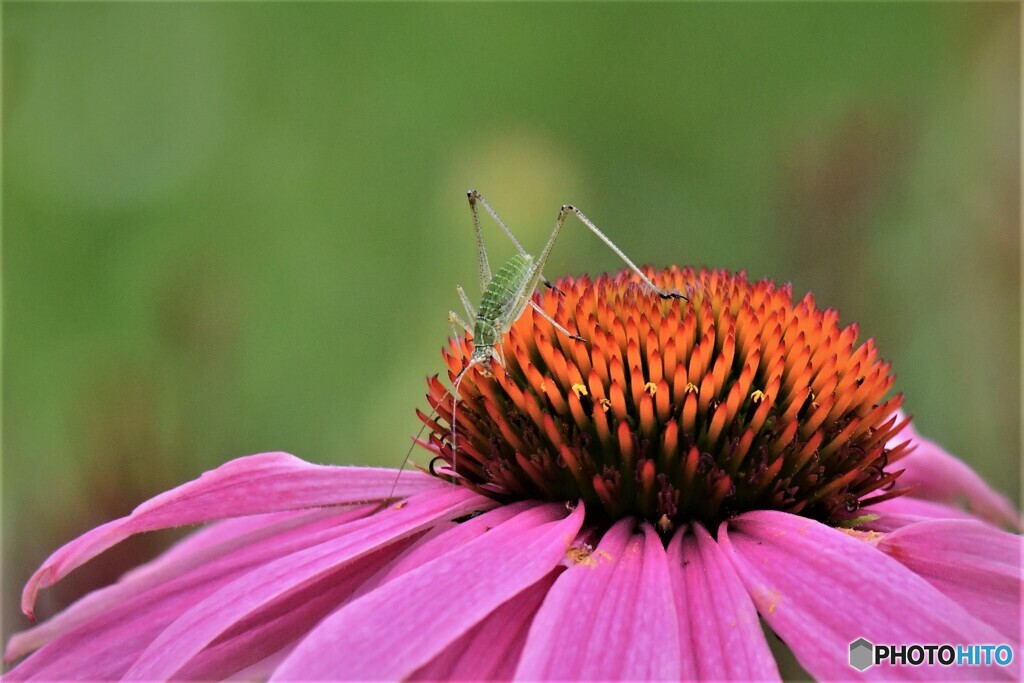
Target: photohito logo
pixel 865 654
pixel 862 654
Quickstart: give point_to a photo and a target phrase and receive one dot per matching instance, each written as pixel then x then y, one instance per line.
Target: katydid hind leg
pixel 483 266
pixel 551 320
pixel 568 208
pixel 474 198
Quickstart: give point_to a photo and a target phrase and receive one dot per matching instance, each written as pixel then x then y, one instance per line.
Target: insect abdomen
pixel 498 305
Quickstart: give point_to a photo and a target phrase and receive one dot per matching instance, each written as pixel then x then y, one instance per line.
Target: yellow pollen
pixel 768 600
pixel 650 388
pixel 585 555
pixel 579 390
pixel 870 537
pixel 665 525
pixel 581 554
pixel 605 404
pixel 691 388
pixel 757 396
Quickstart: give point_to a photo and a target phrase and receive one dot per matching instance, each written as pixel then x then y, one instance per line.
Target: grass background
pixel 234 228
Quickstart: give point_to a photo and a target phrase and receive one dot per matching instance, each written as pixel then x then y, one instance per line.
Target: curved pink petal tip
pixel 976 564
pixel 933 474
pixel 268 482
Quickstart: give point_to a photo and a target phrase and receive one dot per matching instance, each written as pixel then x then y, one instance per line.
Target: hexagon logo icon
pixel 861 654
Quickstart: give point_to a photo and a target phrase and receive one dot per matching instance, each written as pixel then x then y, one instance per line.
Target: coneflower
pixel 631 506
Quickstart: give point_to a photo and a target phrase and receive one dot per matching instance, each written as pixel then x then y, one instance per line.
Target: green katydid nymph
pixel 506 295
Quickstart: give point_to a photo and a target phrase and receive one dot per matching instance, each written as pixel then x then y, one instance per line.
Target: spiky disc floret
pixel 677 411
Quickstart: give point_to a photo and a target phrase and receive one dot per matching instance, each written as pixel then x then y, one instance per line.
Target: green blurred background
pixel 234 228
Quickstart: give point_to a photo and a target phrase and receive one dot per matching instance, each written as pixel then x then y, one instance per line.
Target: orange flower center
pixel 676 411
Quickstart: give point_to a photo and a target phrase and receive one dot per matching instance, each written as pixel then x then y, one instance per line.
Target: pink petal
pixel 720 632
pixel 936 475
pixel 268 482
pixel 491 650
pixel 971 562
pixel 283 621
pixel 406 622
pixel 213 617
pixel 198 549
pixel 820 589
pixel 443 538
pixel 899 512
pixel 106 645
pixel 607 617
pixel 500 636
pixel 261 670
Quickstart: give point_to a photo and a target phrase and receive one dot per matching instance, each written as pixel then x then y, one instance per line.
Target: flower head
pixel 629 507
pixel 676 412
